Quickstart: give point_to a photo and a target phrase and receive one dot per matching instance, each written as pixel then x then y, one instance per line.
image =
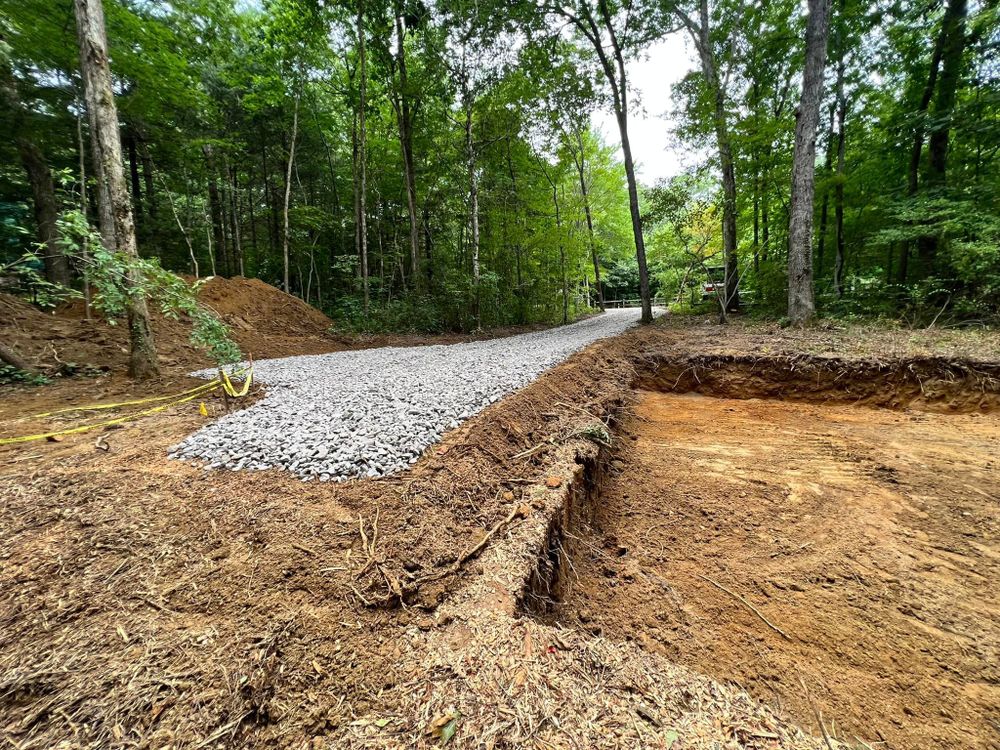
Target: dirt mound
pixel 250 304
pixel 263 320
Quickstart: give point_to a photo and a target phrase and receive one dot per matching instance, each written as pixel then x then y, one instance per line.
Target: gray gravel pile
pixel 372 412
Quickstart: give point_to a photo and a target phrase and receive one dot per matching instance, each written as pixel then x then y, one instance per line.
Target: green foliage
pixel 115 277
pixel 227 76
pixel 10 375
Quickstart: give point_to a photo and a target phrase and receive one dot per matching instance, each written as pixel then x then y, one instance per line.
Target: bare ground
pixel 148 603
pixel 867 538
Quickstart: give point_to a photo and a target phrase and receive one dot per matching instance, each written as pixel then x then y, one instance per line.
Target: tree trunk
pixel 147 177
pixel 286 233
pixel 838 267
pixel 42 187
pixel 701 33
pixel 46 212
pixel 404 114
pixel 825 209
pixel 13 359
pixel 952 49
pixel 614 71
pixel 362 157
pixel 470 155
pixel 562 248
pixel 234 218
pixel 133 168
pixel 801 303
pixel 215 211
pixel 953 41
pixel 585 193
pixel 103 115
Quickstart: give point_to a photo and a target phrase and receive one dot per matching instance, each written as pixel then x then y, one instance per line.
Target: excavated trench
pixel 821 532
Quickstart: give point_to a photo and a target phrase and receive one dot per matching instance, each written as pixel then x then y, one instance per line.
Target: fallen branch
pixel 749 606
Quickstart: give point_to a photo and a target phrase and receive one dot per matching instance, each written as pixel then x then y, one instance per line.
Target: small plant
pixel 10 375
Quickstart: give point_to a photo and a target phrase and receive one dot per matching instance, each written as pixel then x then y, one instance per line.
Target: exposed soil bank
pixel 866 537
pixel 925 383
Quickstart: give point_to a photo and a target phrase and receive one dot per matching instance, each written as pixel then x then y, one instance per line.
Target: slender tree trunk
pixel 470 155
pixel 765 222
pixel 404 114
pixel 103 114
pixel 43 192
pixel 46 212
pixel 215 210
pixel 838 267
pixel 234 218
pixel 801 303
pixel 756 217
pixel 133 168
pixel 286 233
pixel 825 208
pixel 585 193
pixel 701 34
pixel 147 177
pixel 562 256
pixel 362 166
pixel 917 147
pixel 614 72
pixel 85 245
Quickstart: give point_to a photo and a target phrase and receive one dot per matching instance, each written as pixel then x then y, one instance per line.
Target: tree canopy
pixel 432 165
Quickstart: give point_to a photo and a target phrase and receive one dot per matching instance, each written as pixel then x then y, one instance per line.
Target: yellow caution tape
pixel 108 423
pixel 97 407
pixel 188 395
pixel 231 389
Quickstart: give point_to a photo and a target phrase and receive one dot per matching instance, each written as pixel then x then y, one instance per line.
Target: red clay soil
pixel 148 603
pixel 867 537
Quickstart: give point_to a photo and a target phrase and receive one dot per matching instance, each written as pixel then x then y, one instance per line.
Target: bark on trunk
pixel 103 115
pixel 234 218
pixel 404 115
pixel 42 187
pixel 953 41
pixel 133 168
pixel 585 193
pixel 215 210
pixel 362 157
pixel 286 233
pixel 801 303
pixel 46 212
pixel 838 267
pixel 470 155
pixel 831 139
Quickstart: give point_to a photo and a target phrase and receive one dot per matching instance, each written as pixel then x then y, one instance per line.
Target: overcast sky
pixel 664 64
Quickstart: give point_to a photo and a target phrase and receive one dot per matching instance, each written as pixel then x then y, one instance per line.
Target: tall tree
pixel 103 117
pixel 801 300
pixel 614 30
pixel 701 35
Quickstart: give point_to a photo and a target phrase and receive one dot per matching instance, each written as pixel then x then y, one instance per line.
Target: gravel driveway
pixel 372 412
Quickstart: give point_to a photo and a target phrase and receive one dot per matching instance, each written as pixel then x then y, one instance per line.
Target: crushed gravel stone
pixel 372 412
